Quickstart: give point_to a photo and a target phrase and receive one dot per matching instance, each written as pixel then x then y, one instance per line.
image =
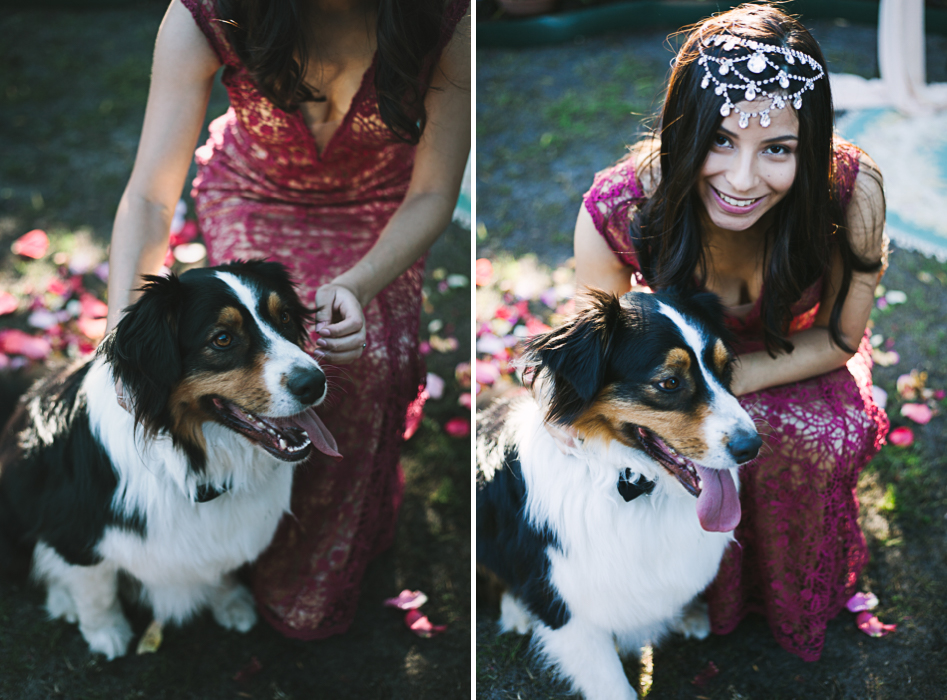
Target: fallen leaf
pixel 150 641
pixel 918 412
pixel 421 626
pixel 33 244
pixel 872 626
pixel 862 601
pixel 406 600
pixel 901 437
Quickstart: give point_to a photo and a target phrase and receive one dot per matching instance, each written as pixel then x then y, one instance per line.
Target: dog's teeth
pixel 282 444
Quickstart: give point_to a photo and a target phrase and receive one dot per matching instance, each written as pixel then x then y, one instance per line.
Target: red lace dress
pixel 801 549
pixel 264 190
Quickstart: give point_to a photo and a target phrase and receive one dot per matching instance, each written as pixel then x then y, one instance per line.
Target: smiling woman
pixel 744 191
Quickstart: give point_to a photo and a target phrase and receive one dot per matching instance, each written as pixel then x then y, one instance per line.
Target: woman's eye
pixel 222 340
pixel 669 384
pixel 721 140
pixel 778 150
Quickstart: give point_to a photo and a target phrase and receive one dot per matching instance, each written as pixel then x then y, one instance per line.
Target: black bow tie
pixel 630 490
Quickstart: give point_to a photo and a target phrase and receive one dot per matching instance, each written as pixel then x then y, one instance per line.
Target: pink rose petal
pixel 862 601
pixel 415 414
pixel 487 373
pixel 406 600
pixel 435 386
pixel 462 374
pixel 421 626
pixel 901 437
pixel 15 342
pixel 872 626
pixel 92 328
pixel 465 400
pixel 484 272
pixel 33 244
pixel 918 412
pixel 8 303
pixel 92 307
pixel 457 427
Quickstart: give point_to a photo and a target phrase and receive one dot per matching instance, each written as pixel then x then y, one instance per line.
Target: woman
pixel 745 192
pixel 341 156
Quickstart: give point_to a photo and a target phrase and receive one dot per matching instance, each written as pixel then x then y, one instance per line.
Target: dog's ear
pixel 575 356
pixel 143 350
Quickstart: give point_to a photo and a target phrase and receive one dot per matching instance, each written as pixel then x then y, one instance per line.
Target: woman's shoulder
pixel 626 183
pixel 206 15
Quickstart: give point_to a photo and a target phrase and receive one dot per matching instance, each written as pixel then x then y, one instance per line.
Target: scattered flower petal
pixel 82 262
pixel 150 641
pixel 920 413
pixel 457 281
pixel 885 358
pixel 414 415
pixel 443 344
pixel 43 319
pixel 91 307
pixel 58 287
pixel 895 296
pixel 465 400
pixel 15 342
pixel 33 244
pixel 882 303
pixel 406 600
pixel 8 303
pixel 487 373
pixel 876 340
pixel 872 626
pixel 901 437
pixel 862 601
pixel 490 344
pixel 92 328
pixel 701 679
pixel 421 626
pixel 190 253
pixel 435 386
pixel 457 427
pixel 252 668
pixel 879 395
pixel 462 374
pixel 102 271
pixel 484 272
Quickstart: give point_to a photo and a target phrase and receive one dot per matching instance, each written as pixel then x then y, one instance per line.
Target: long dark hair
pixel 809 223
pixel 270 38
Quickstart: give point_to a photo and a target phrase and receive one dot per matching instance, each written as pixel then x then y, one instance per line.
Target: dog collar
pixel 207 492
pixel 630 490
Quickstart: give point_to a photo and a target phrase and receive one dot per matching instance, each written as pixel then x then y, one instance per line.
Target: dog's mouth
pixel 289 439
pixel 718 504
pixel 675 463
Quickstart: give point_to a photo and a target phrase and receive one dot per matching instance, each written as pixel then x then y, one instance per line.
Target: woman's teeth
pixel 736 202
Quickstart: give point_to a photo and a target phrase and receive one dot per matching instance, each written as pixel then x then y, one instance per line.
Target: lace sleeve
pixel 612 201
pixel 205 14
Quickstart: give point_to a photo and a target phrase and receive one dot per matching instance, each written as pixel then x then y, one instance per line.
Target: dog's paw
pixel 234 609
pixel 59 603
pixel 111 640
pixel 513 616
pixel 695 620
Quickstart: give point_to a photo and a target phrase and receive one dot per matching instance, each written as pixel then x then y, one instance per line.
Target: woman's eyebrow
pixel 784 137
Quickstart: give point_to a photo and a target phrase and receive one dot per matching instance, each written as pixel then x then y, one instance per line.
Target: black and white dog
pixel 603 539
pixel 192 485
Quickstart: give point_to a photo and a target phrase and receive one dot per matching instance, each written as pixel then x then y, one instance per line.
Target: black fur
pixel 57 483
pixel 506 543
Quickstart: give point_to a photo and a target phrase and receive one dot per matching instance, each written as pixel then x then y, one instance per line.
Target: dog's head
pixel 224 345
pixel 652 372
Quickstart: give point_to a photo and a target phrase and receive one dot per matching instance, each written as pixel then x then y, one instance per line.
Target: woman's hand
pixel 340 324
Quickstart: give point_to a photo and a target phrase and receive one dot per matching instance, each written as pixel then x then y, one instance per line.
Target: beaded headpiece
pixel 757 60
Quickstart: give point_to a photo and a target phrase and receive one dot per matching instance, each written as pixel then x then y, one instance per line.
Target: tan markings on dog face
pixel 678 361
pixel 604 420
pixel 230 317
pixel 275 305
pixel 721 356
pixel 244 387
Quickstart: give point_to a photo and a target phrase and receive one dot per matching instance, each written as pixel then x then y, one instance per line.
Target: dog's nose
pixel 307 385
pixel 744 446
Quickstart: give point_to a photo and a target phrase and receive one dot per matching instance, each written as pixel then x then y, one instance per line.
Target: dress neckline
pixel 346 120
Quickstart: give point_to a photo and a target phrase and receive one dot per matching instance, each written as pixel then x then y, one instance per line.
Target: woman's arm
pixel 815 353
pixel 421 217
pixel 182 76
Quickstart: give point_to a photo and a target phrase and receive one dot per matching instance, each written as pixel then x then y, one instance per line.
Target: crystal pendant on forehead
pixel 750 94
pixel 783 80
pixel 757 63
pixel 725 110
pixel 724 67
pixel 797 104
pixel 744 120
pixel 764 119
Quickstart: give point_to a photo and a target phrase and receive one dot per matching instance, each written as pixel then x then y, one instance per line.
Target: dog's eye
pixel 284 316
pixel 222 340
pixel 670 384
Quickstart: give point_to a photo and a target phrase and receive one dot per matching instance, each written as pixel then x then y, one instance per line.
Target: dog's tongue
pixel 718 505
pixel 317 431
